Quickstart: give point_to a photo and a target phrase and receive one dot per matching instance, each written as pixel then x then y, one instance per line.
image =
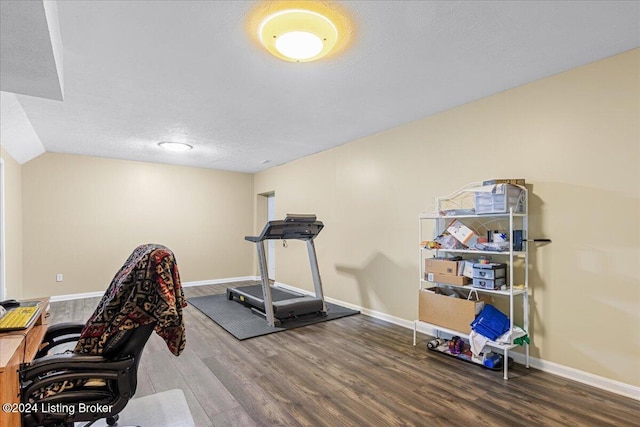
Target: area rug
pixel 243 324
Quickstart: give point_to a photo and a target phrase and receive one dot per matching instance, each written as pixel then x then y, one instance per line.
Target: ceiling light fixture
pixel 298 35
pixel 175 146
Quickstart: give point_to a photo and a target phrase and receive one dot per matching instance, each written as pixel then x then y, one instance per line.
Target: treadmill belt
pixel 277 294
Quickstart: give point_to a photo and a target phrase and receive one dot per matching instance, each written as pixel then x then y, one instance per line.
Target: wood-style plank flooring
pixel 355 371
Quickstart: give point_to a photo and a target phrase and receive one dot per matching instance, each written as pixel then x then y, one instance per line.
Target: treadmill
pixel 277 304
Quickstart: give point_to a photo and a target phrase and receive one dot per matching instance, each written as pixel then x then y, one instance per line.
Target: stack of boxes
pixel 445 270
pixel 456 271
pixel 449 308
pixel 453 308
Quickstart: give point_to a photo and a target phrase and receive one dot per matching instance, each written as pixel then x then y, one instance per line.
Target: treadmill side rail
pixel 266 289
pixel 315 272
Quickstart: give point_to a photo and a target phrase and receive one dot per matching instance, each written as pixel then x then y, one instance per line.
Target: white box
pixel 462 233
pixel 467 267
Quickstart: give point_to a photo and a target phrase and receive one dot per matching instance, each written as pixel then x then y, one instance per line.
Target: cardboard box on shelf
pixel 447 278
pixel 438 308
pixel 462 233
pixel 441 266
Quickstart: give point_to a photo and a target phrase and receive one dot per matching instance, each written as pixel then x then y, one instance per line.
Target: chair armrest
pixel 57 334
pixel 64 329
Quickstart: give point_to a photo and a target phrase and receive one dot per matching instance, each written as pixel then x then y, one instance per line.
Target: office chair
pixel 99 376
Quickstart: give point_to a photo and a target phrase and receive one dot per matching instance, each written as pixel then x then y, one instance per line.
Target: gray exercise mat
pixel 240 322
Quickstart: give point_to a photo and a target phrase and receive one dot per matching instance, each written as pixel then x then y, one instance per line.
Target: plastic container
pixel 499 201
pixel 492 360
pixel 488 283
pixel 492 270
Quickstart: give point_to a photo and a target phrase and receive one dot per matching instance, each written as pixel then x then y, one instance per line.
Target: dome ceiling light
pixel 298 35
pixel 175 146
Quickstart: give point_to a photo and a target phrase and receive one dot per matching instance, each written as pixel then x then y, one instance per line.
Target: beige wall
pixel 575 138
pixel 13 225
pixel 82 217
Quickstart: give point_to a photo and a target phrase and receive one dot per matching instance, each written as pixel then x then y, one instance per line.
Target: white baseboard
pixel 607 384
pixel 184 285
pixel 603 383
pixel 70 297
pixel 219 281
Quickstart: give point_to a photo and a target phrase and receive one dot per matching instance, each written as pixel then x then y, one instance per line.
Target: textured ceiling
pixel 140 72
pixel 30 49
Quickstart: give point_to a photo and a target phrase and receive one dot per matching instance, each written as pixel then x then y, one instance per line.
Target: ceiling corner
pixel 31 49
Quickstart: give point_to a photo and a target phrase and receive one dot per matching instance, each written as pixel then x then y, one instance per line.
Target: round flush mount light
pixel 298 35
pixel 175 146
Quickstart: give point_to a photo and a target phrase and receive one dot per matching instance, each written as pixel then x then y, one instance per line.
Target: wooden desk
pixel 17 347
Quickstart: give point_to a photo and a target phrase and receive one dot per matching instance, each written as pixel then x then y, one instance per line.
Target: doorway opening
pixel 267 212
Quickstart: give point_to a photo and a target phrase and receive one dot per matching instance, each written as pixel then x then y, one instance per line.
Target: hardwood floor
pixel 355 371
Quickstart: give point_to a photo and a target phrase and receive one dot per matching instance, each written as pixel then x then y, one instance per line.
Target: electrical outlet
pixel 59 277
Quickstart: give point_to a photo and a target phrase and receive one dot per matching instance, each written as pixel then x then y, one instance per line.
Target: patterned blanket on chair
pixel 146 289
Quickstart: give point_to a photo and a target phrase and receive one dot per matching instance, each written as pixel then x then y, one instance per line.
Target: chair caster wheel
pixel 112 421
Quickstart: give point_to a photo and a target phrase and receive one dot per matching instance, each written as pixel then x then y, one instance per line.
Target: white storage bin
pixel 488 283
pixel 499 201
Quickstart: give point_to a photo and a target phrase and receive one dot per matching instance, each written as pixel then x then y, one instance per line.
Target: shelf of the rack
pixel 433 215
pixel 516 291
pixel 515 333
pixel 475 251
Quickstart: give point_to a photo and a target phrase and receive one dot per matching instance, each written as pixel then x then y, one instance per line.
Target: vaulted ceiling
pixel 114 78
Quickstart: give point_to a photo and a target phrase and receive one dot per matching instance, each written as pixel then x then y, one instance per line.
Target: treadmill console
pixel 300 218
pixel 294 226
